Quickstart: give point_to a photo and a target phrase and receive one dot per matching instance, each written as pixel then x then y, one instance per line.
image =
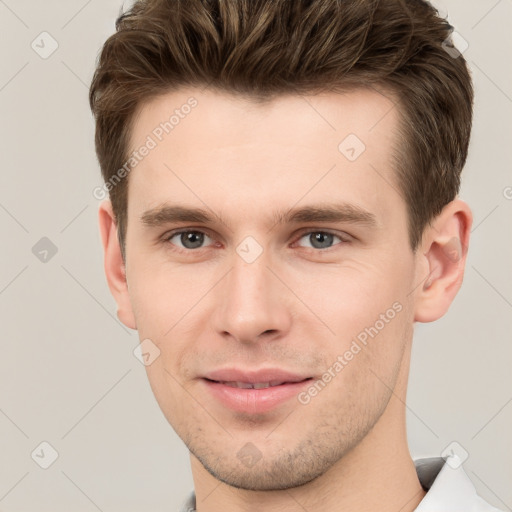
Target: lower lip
pixel 254 401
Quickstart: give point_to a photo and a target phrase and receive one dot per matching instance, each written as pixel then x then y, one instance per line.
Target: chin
pixel 284 471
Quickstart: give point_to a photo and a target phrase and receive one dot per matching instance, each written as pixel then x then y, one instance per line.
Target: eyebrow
pixel 345 212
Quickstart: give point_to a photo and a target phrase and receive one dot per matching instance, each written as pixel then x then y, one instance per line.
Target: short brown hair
pixel 263 48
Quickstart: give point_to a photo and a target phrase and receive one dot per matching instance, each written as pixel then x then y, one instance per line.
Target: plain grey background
pixel 68 375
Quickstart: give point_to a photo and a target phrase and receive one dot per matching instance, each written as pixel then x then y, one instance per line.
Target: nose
pixel 252 304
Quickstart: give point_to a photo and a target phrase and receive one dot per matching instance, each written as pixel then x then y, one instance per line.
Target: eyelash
pixel 344 238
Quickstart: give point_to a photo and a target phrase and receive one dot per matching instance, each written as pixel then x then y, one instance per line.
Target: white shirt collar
pixel 448 487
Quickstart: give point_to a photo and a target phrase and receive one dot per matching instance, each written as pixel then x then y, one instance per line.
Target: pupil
pixel 192 239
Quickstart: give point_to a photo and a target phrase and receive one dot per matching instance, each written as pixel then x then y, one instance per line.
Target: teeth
pixel 233 384
pixel 243 385
pixel 256 385
pixel 261 385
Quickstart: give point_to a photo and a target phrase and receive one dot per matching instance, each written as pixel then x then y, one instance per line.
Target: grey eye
pixel 320 239
pixel 190 239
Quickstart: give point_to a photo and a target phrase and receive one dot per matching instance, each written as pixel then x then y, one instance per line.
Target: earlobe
pixel 442 261
pixel 115 270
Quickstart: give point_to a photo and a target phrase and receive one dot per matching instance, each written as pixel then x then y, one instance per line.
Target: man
pixel 283 181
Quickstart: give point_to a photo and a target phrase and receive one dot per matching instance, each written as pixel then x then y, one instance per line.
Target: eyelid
pixel 343 236
pixel 169 234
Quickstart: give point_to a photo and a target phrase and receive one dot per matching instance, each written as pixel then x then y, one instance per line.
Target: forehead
pixel 367 113
pixel 213 148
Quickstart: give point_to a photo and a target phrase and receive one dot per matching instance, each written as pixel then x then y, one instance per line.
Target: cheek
pixel 362 369
pixel 351 297
pixel 167 305
pixel 161 299
pixel 368 309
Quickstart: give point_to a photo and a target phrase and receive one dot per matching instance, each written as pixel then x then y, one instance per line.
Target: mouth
pixel 254 392
pixel 256 385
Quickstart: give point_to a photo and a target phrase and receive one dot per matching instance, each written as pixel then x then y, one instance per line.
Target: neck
pixel 378 474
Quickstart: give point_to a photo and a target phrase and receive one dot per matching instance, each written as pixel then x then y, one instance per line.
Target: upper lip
pixel 252 376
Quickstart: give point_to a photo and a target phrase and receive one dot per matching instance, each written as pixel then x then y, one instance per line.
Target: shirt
pixel 448 487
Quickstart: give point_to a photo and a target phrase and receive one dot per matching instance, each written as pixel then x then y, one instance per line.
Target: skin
pixel 296 307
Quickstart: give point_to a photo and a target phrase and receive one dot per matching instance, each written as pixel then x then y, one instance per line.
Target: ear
pixel 115 269
pixel 441 261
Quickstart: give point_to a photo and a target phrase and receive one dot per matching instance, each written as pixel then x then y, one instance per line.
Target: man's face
pixel 254 296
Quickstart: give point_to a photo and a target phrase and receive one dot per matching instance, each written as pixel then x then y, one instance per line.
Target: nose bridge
pixel 250 298
pixel 249 281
